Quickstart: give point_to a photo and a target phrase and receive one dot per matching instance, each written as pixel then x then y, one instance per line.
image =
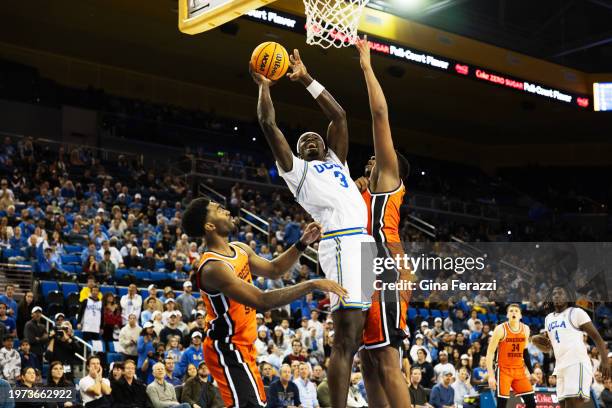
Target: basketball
pixel 270 59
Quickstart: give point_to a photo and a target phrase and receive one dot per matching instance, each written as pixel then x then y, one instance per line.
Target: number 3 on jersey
pixel 342 177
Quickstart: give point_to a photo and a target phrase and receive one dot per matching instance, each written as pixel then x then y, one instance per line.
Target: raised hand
pixel 363 46
pixel 298 69
pixel 259 79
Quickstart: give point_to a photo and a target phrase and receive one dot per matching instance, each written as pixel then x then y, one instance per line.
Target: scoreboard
pixel 602 96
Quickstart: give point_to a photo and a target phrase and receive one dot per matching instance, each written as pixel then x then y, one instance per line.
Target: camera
pixel 59 333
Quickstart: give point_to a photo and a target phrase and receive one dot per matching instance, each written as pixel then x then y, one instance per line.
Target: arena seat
pixel 142 275
pixel 48 286
pixel 412 313
pixel 482 317
pixel 10 253
pixel 113 357
pixel 158 276
pixel 527 320
pixel 436 313
pixel 72 304
pixel 424 313
pixel 444 314
pixel 69 287
pixel 493 318
pixel 54 298
pixel 71 259
pixel 107 288
pixel 121 291
pixel 73 249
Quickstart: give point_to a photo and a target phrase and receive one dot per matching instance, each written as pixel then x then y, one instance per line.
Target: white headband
pixel 297 146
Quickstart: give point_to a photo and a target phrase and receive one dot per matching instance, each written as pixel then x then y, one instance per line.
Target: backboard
pixel 196 16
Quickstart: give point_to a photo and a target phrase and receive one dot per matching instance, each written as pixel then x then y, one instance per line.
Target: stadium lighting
pixel 235 127
pixel 509 232
pixel 406 5
pixel 254 139
pixel 422 173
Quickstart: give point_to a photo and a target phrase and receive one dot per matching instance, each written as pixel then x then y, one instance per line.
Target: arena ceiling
pixel 574 33
pixel 125 34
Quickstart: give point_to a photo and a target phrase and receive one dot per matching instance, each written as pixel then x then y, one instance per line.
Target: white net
pixel 332 23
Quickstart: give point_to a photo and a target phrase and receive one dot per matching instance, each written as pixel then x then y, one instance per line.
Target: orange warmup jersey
pixel 226 319
pixel 386 321
pixel 510 349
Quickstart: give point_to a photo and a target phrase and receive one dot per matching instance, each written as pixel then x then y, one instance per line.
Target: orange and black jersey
pixel 226 319
pixel 384 213
pixel 511 347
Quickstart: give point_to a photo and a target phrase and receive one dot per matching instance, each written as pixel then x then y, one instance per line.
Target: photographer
pixel 62 347
pixel 147 355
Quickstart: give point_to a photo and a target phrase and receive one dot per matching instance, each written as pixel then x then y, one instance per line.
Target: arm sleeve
pixel 434 398
pixel 296 400
pixel 578 317
pixel 295 177
pixel 527 359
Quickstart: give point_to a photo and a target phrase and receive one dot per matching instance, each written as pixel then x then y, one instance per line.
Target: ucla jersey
pixel 566 337
pixel 325 189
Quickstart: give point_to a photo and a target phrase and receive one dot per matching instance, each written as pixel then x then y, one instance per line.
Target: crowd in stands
pixel 74 218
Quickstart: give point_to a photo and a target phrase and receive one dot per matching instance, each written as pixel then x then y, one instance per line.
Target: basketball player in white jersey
pixel 319 179
pixel 564 334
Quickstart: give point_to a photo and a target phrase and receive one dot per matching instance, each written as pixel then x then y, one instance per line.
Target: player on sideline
pixel 223 276
pixel 564 334
pixel 320 181
pixel 510 341
pixel 383 191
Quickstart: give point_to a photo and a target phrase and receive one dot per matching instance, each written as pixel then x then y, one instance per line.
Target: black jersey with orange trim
pixel 226 319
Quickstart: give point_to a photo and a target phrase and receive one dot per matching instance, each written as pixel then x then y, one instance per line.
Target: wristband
pixel 315 89
pixel 300 246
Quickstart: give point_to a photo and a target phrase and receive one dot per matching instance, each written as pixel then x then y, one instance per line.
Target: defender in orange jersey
pixel 223 276
pixel 513 363
pixel 383 190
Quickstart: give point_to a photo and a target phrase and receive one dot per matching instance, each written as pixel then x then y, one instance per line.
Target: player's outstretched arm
pixel 277 267
pixel 498 333
pixel 604 367
pixel 386 158
pixel 337 131
pixel 267 120
pixel 217 275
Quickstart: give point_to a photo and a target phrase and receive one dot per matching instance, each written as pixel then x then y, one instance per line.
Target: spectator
pixel 106 268
pixel 160 392
pixel 606 394
pixel 296 353
pixel 158 305
pixel 267 373
pixel 10 360
pixel 284 393
pixel 442 394
pixel 419 340
pixel 323 394
pixel 318 375
pixel 418 395
pixel 462 386
pixel 93 387
pixel 8 321
pixel 28 381
pixel 57 379
pixel 428 375
pixel 199 391
pixel 36 333
pixel 147 342
pixel 147 314
pixel 149 261
pixel 9 300
pixel 192 372
pixel 192 355
pixel 63 347
pixel 115 255
pixel 171 329
pixel 354 398
pixel 128 337
pixel 169 365
pixel 455 321
pixel 116 369
pixel 86 291
pixel 133 261
pixel 131 303
pixel 186 302
pixel 307 389
pixel 481 375
pixel 28 359
pixel 537 378
pixel 111 318
pixel 597 387
pixel 129 391
pixel 314 322
pixel 443 366
pixel 90 315
pixel 90 267
pixel 90 251
pixel 26 304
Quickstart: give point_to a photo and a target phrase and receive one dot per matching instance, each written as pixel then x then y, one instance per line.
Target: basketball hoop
pixel 332 23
